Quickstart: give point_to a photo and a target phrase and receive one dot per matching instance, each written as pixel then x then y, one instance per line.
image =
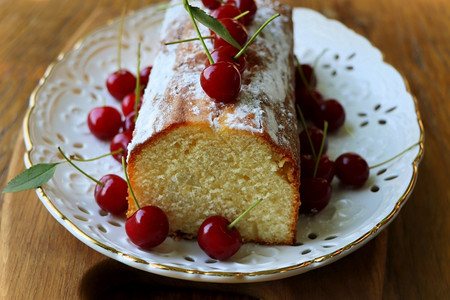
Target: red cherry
pixel 104 122
pixel 226 53
pixel 315 194
pixel 147 227
pixel 121 141
pixel 217 240
pixel 120 84
pixel 112 196
pixel 128 104
pixel 310 77
pixel 130 122
pixel 226 11
pixel 352 169
pixel 331 111
pixel 245 5
pixel 325 168
pixel 221 81
pixel 316 136
pixel 144 76
pixel 309 101
pixel 237 31
pixel 211 4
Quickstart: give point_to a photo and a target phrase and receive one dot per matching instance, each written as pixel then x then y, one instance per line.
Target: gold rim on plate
pixel 325 259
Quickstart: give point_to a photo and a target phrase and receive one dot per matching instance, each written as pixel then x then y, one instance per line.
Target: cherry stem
pixel 76 167
pixel 119 40
pixel 72 157
pixel 137 92
pixel 394 157
pixel 348 130
pixel 316 61
pixel 305 82
pixel 242 51
pixel 232 224
pixel 188 40
pixel 188 8
pixel 129 185
pixel 305 127
pixel 241 15
pixel 300 71
pixel 322 145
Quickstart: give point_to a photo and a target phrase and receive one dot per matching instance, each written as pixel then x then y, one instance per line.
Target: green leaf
pixel 31 178
pixel 213 24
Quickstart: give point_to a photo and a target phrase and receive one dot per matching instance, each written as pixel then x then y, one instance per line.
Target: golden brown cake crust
pixel 256 113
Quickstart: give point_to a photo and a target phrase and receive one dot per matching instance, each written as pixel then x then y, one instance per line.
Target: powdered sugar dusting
pixel 174 93
pixel 267 87
pixel 153 101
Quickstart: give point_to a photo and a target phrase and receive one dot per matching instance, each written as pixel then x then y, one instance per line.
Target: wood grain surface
pixel 39 259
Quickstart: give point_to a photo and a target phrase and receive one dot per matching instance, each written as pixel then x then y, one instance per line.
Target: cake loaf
pixel 195 158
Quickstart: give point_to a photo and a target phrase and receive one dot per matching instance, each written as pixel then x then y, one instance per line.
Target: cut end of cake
pixel 193 172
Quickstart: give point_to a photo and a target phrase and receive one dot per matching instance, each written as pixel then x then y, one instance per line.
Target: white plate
pixel 382 121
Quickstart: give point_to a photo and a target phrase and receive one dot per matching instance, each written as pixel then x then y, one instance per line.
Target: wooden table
pixel 409 260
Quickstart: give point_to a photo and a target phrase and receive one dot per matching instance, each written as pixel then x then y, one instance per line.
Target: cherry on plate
pixel 316 135
pixel 325 168
pixel 112 196
pixel 308 100
pixel 308 80
pixel 315 194
pixel 120 84
pixel 144 76
pixel 331 111
pixel 120 142
pixel 104 122
pixel 217 240
pixel 147 227
pixel 221 81
pixel 130 123
pixel 352 169
pixel 128 104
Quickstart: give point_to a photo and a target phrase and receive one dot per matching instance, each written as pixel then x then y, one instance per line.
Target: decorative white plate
pixel 382 121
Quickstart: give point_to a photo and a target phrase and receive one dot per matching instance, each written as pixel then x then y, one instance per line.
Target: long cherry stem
pixel 241 15
pixel 316 62
pixel 305 127
pixel 76 167
pixel 322 145
pixel 188 8
pixel 300 71
pixel 119 40
pixel 242 51
pixel 72 157
pixel 394 157
pixel 137 91
pixel 231 225
pixel 188 40
pixel 305 82
pixel 128 183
